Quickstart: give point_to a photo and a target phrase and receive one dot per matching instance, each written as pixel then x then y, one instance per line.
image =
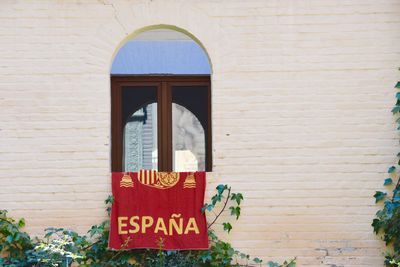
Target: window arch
pixel 161 107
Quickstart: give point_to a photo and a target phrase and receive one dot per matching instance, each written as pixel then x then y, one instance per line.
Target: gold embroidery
pixel 190 181
pixel 168 179
pixel 159 180
pixel 126 181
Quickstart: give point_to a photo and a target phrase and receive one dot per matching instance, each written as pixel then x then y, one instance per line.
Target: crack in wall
pixel 104 2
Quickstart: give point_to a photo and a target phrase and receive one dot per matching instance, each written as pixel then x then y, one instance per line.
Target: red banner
pixel 158 210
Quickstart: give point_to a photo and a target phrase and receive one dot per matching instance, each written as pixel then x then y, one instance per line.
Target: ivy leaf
pixel 388 181
pixel 216 198
pixel 212 235
pixel 235 211
pixel 21 223
pixel 273 264
pixel 379 196
pixel 208 207
pixel 9 239
pixel 206 258
pixel 392 169
pixel 227 227
pixel 257 260
pixel 376 224
pixel 397 85
pixel 221 188
pixel 389 207
pixel 109 200
pixel 398 95
pixel 203 209
pixel 237 197
pixel 396 192
pixel 17 236
pixel 93 230
pixel 396 109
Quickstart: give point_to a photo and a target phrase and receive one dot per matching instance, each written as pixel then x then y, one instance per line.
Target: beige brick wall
pixel 302 91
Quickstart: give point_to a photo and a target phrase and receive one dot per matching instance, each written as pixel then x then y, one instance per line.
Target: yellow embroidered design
pixel 190 181
pixel 168 179
pixel 126 181
pixel 159 180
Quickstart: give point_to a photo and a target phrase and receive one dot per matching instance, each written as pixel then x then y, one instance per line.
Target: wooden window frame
pixel 164 115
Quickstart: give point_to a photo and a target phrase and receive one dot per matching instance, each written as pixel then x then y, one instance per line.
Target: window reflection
pixel 188 140
pixel 140 140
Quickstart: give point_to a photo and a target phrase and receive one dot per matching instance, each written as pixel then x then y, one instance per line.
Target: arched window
pixel 161 104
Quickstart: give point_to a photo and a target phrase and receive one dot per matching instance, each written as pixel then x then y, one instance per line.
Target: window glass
pixel 139 122
pixel 189 127
pixel 188 140
pixel 140 139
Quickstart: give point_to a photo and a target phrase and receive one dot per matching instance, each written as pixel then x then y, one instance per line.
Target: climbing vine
pixel 387 220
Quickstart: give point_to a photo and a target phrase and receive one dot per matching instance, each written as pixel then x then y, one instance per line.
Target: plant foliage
pixel 387 220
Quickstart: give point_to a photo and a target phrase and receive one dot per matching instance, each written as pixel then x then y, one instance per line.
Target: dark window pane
pixel 135 97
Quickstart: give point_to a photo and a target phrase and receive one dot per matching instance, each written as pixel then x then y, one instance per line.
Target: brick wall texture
pixel 302 92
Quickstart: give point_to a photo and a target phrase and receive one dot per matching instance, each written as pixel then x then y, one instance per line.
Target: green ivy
pixel 13 241
pixel 62 247
pixel 387 220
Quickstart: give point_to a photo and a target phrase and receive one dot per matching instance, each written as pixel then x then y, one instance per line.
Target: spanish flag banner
pixel 159 210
